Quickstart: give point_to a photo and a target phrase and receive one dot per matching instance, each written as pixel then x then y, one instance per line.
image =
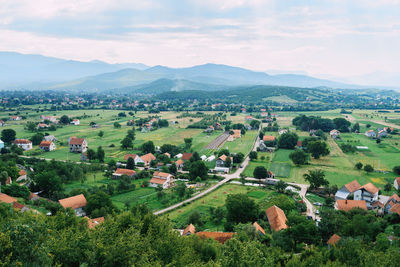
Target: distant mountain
pixel 18 70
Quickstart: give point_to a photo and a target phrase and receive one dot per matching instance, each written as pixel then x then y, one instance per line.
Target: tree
pixel 299 157
pixel 188 142
pixel 224 152
pixel 126 143
pixel 99 204
pixel 253 155
pixel 130 164
pixel 342 124
pixel 368 168
pixel 316 178
pixel 195 218
pixel 91 154
pixel 238 157
pixel 8 135
pixel 49 182
pixel 356 128
pixel 396 170
pixel 218 215
pixel 387 187
pixel 172 169
pixel 37 139
pixel 260 172
pixel 117 125
pixel 100 154
pixel 240 208
pixel 131 134
pixel 288 140
pixel 148 147
pixel 280 186
pixel 318 149
pixel 198 169
pixel 359 165
pixel 302 230
pixel 101 134
pixel 195 157
pixel 31 126
pixel 180 190
pixel 65 119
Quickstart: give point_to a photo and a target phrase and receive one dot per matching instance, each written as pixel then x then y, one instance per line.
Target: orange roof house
pixel 353 186
pixel 6 198
pixel 276 218
pixel 395 209
pixel 269 138
pixel 120 171
pixel 370 188
pixel 221 237
pixel 333 240
pixel 94 222
pixel 127 156
pixel 147 158
pixel 347 205
pixel 179 162
pixel 189 230
pixel 75 202
pixel 259 229
pixel 187 156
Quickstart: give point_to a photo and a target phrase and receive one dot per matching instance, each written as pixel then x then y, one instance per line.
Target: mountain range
pixel 33 72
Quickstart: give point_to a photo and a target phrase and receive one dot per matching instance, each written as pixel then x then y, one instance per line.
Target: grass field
pixel 281 165
pixel 248 172
pixel 243 144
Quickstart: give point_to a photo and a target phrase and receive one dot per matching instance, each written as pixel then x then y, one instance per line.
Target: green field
pixel 243 144
pixel 248 172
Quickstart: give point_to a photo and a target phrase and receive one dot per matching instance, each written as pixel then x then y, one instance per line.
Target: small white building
pixel 25 144
pixel 203 158
pixel 1 144
pixel 334 133
pixel 348 189
pixel 75 122
pixel 163 179
pixel 47 146
pixel 368 192
pixel 370 134
pixel 179 156
pixel 137 159
pixel 396 183
pixel 210 158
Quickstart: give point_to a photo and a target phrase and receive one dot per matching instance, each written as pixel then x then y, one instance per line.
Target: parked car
pixel 317 212
pixel 317 203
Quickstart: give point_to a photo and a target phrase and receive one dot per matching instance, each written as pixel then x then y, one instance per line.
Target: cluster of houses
pixel 212 128
pixel 379 132
pixel 353 195
pixel 146 127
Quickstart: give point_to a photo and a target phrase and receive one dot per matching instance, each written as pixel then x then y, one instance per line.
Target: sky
pixel 335 38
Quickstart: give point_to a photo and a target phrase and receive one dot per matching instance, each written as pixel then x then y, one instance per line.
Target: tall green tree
pixel 288 140
pixel 130 164
pixel 100 154
pixel 240 208
pixel 299 157
pixel 8 135
pixel 316 178
pixel 318 149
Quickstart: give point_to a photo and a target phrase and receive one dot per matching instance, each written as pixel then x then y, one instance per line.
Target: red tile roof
pixel 22 141
pixel 22 172
pixel 161 174
pixel 74 202
pixel 268 138
pixel 76 141
pixel 353 186
pixel 189 229
pixel 94 222
pixel 395 197
pixel 187 156
pixel 346 205
pixel 127 156
pixel 395 209
pixel 6 198
pixel 18 206
pixel 128 172
pixel 276 218
pixel 45 143
pixel 333 240
pixel 259 228
pixel 370 188
pixel 219 236
pixel 158 181
pixel 148 157
pixel 179 162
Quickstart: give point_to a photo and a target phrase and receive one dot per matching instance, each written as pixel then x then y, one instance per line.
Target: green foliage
pixel 16 190
pixel 130 164
pixel 318 149
pixel 65 119
pixel 99 204
pixel 260 172
pixel 359 165
pixel 396 170
pixel 148 147
pixel 316 178
pixel 117 125
pixel 253 155
pixel 288 140
pixel 100 154
pixel 368 168
pixel 299 157
pixel 37 138
pixel 198 169
pixel 342 124
pixel 240 208
pixel 347 148
pixel 8 135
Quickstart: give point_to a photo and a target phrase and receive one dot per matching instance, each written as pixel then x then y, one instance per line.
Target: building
pixel 92 223
pixel 382 133
pixel 333 240
pixel 15 118
pixel 7 199
pixel 25 144
pixel 348 189
pixel 50 138
pixel 259 229
pixel 334 133
pixel 77 203
pixel 221 237
pixel 75 122
pixel 370 134
pixel 395 209
pixel 221 161
pixel 347 205
pixel 396 183
pixel 119 172
pixel 187 156
pixel 42 126
pixel 269 138
pixel 179 163
pixel 165 180
pixel 249 118
pixel 77 145
pixel 368 192
pixel 276 218
pixel 135 157
pixel 1 123
pixel 47 146
pixel 282 131
pixel 148 158
pixel 393 200
pixel 1 144
pixel 237 133
pixel 189 230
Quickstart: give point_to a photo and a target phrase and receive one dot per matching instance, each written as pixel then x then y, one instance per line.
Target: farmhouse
pixel 221 161
pixel 189 230
pixel 25 144
pixel 269 138
pixel 179 163
pixel 148 158
pixel 368 192
pixel 48 118
pixel 334 133
pixel 165 180
pixel 75 122
pixel 47 146
pixel 370 134
pixel 282 131
pixel 249 118
pixel 395 209
pixel 393 200
pixel 119 172
pixel 1 123
pixel 347 190
pixel 15 118
pixel 333 240
pixel 42 126
pixel 77 203
pixel 50 138
pixel 276 218
pixel 92 223
pixel 347 205
pixel 396 183
pixel 221 237
pixel 135 157
pixel 382 133
pixel 78 145
pixel 187 156
pixel 7 199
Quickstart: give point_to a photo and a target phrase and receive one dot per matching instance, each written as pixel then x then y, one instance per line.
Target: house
pixel 333 240
pixel 179 163
pixel 7 199
pixel 282 131
pixel 237 134
pixel 77 203
pixel 84 156
pixel 368 192
pixel 189 230
pixel 92 223
pixel 165 180
pixel 1 123
pixel 15 118
pixel 221 237
pixel 209 129
pixel 383 133
pixel 130 123
pixel 148 158
pixel 25 144
pixel 47 146
pixel 19 207
pixel 249 118
pixel 42 126
pixel 396 183
pixel 48 118
pixel 299 145
pixel 33 196
pixel 119 172
pixel 259 229
pixel 276 218
pixel 334 133
pixel 167 154
pixel 135 157
pixel 78 145
pixel 1 144
pixel 395 209
pixel 393 200
pixel 378 207
pixel 221 161
pixel 22 175
pixel 218 126
pixel 269 138
pixel 50 138
pixel 346 205
pixel 348 189
pixel 75 122
pixel 210 158
pixel 203 157
pixel 187 156
pixel 178 156
pixel 9 180
pixel 370 134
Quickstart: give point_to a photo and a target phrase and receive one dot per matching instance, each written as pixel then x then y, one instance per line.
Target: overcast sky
pixel 336 37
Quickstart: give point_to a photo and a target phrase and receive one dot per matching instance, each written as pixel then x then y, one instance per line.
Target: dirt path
pixel 388 124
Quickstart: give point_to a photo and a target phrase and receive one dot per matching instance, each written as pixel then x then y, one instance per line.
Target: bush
pixel 396 170
pixel 368 168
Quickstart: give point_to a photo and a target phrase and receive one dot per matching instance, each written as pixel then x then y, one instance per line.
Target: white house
pixel 77 203
pixel 368 192
pixel 220 162
pixel 370 134
pixel 382 133
pixel 334 133
pixel 78 145
pixel 210 158
pixel 179 156
pixel 49 138
pixel 203 158
pixel 165 180
pixel 75 122
pixel 25 144
pixel 15 118
pixel 47 145
pixel 135 157
pixel 345 191
pixel 1 144
pixel 397 183
pixel 1 123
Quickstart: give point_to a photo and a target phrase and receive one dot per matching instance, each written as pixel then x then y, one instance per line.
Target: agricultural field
pixel 248 172
pixel 243 144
